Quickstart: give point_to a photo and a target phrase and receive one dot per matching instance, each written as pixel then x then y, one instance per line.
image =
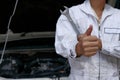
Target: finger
pixel 91 49
pixel 90 44
pixel 89 54
pixel 80 37
pixel 89 30
pixel 90 38
pixel 87 33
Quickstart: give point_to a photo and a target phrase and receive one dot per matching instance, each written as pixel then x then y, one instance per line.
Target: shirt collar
pixel 86 8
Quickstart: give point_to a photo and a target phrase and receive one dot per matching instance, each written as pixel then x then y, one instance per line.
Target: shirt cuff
pixel 73 48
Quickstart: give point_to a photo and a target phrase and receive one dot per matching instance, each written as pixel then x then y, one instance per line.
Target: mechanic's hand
pixel 88 45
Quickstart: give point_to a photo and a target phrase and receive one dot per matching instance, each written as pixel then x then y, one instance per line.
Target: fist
pixel 87 44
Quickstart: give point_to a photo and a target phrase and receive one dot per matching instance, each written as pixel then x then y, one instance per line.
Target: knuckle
pixel 96 48
pixel 83 44
pixel 95 37
pixel 80 37
pixel 86 54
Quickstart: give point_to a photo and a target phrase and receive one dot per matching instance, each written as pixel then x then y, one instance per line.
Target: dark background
pixel 32 15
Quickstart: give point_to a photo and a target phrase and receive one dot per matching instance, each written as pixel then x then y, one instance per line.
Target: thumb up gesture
pixel 87 44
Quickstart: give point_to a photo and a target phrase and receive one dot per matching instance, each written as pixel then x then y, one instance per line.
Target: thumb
pixel 89 30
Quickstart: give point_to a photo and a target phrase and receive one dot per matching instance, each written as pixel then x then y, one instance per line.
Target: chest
pixel 108 29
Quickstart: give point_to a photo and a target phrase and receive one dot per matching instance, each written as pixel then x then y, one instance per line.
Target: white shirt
pixel 105 64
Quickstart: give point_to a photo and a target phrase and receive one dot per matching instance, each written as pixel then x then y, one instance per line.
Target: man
pixel 94 54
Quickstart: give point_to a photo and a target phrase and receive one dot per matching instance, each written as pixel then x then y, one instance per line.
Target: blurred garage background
pixel 30 53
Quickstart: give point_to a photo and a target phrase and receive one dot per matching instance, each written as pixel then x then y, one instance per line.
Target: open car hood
pixel 42 41
pixel 32 56
pixel 30 51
